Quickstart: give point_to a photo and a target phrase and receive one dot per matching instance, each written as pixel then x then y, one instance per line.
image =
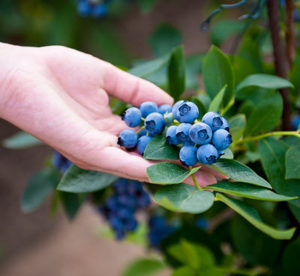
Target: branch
pixel 289 34
pixel 281 66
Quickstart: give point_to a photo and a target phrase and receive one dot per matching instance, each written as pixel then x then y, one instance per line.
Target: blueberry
pixel 60 162
pixel 175 109
pixel 147 108
pixel 186 112
pixel 171 135
pixel 142 132
pixel 132 117
pixel 200 133
pixel 182 132
pixel 131 225
pixel 225 124
pixel 207 154
pixel 128 138
pixel 202 223
pixel 120 185
pixel 221 139
pixel 142 144
pixel 213 119
pixel 84 8
pixel 187 155
pixel 154 123
pixel 99 10
pixel 164 109
pixel 144 200
pixel 296 122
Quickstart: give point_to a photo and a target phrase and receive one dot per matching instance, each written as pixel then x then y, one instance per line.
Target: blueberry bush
pixel 236 113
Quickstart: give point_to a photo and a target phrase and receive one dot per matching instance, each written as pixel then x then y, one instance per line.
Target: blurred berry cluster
pixel 60 162
pixel 94 8
pixel 159 229
pixel 199 141
pixel 121 207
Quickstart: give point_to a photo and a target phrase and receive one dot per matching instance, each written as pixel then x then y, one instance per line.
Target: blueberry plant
pixel 241 120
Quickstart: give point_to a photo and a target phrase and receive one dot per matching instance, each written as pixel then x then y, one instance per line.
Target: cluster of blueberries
pixel 200 141
pixel 60 162
pixel 120 208
pixel 95 8
pixel 159 229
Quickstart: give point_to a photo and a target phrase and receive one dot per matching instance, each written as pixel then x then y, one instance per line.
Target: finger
pixel 131 89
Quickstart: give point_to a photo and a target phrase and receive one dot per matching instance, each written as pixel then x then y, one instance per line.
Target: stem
pixel 140 130
pixel 289 34
pixel 273 133
pixel 195 180
pixel 281 67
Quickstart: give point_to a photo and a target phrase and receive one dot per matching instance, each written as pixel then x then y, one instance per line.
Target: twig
pixel 289 33
pixel 279 57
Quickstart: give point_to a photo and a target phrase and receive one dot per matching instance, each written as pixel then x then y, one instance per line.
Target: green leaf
pixel 38 188
pixel 228 154
pixel 290 258
pixel 21 140
pixel 147 68
pixel 252 243
pixel 193 255
pixel 292 163
pixel 71 203
pixel 223 29
pixel 168 173
pixel 264 81
pixel 176 73
pixel 251 215
pixel 272 154
pixel 164 39
pixel 240 172
pixel 217 72
pixel 144 267
pixel 184 271
pixel 266 114
pixel 217 100
pixel 237 126
pixel 146 5
pixel 77 180
pixel 184 198
pixel 158 149
pixel 247 191
pixel 193 68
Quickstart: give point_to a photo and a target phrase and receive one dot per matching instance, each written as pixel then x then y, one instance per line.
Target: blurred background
pixel 36 243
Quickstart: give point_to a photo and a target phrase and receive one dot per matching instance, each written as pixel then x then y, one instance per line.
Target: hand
pixel 60 96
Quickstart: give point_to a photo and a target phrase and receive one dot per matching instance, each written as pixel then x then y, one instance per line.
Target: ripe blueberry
pixel 296 122
pixel 221 139
pixel 84 8
pixel 207 154
pixel 147 108
pixel 200 133
pixel 213 119
pixel 164 109
pixel 142 144
pixel 128 138
pixel 132 117
pixel 186 112
pixel 154 123
pixel 182 132
pixel 99 10
pixel 225 124
pixel 171 135
pixel 187 155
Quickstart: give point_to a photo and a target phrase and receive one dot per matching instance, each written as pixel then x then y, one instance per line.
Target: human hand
pixel 61 96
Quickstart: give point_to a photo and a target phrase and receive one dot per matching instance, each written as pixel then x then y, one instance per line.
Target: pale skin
pixel 61 96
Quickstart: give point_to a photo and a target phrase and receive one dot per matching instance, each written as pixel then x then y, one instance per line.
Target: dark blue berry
pixel 132 117
pixel 188 155
pixel 154 123
pixel 221 139
pixel 164 109
pixel 171 135
pixel 207 154
pixel 147 108
pixel 200 133
pixel 142 144
pixel 183 132
pixel 128 138
pixel 214 120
